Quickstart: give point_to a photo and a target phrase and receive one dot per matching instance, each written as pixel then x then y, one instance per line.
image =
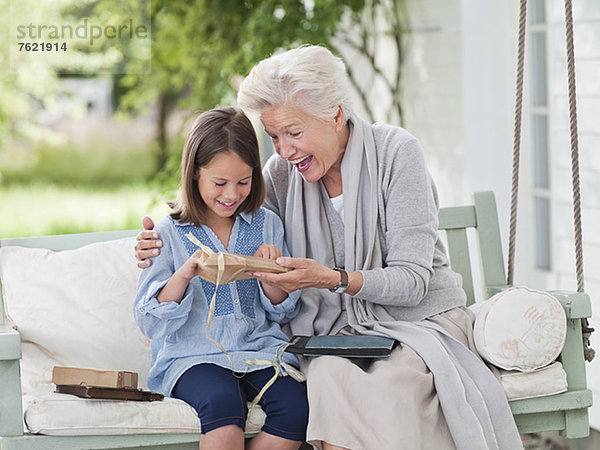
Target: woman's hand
pixel 306 273
pixel 148 243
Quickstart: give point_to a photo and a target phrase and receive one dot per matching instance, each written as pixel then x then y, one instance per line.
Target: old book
pixel 342 345
pixel 109 393
pixel 94 377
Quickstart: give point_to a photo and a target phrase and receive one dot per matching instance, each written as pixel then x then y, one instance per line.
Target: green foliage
pixel 198 46
pixel 376 34
pixel 23 85
pixel 122 52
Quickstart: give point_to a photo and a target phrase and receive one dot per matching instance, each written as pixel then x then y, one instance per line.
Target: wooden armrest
pixel 11 410
pixel 10 344
pixel 577 305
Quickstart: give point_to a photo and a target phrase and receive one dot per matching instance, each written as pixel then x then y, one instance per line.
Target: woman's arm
pixel 409 220
pixel 308 273
pixel 408 238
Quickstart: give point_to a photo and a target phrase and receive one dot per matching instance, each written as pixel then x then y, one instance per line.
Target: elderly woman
pixel 360 213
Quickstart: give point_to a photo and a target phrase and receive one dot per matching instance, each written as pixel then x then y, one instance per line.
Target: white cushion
pixel 64 415
pixel 548 380
pixel 75 308
pixel 520 329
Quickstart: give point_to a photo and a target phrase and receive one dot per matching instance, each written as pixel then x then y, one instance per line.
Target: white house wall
pixel 459 96
pixel 587 52
pixel 433 89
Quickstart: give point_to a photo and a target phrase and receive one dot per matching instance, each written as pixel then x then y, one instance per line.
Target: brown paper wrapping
pixel 235 267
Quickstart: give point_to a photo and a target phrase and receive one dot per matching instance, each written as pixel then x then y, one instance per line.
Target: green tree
pixel 200 45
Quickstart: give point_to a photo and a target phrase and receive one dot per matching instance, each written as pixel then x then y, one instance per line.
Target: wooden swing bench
pixel 566 412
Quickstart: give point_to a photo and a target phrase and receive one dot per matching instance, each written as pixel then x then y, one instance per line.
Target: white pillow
pixel 74 308
pixel 520 329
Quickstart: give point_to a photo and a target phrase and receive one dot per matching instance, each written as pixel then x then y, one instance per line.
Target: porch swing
pixel 566 412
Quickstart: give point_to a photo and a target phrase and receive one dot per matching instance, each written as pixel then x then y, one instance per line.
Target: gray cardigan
pixel 407 290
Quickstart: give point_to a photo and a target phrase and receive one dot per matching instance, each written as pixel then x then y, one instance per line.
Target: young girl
pixel 222 189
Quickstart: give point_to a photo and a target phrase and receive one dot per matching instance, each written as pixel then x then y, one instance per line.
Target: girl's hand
pixel 189 269
pixel 147 244
pixel 268 251
pixel 306 273
pixel 175 288
pixel 275 294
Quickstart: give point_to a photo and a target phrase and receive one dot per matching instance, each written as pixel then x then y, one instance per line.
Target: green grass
pixel 97 164
pixel 38 209
pixel 76 188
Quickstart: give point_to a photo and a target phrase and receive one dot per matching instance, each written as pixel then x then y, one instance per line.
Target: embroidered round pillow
pixel 520 329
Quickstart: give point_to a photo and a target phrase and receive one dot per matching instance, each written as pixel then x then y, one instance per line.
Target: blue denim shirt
pixel 246 324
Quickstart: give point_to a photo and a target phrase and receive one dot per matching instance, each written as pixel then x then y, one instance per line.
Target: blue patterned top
pixel 246 324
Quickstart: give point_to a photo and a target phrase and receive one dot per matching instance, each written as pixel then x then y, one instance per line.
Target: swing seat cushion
pixel 66 415
pixel 520 329
pixel 74 308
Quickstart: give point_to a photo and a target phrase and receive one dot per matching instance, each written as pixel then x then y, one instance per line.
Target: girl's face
pixel 224 184
pixel 312 145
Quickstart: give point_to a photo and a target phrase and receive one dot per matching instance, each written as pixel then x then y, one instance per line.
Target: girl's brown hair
pixel 214 132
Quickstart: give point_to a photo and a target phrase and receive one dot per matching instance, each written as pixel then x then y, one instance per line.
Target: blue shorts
pixel 220 399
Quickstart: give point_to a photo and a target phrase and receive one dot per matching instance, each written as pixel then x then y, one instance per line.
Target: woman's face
pixel 314 146
pixel 224 184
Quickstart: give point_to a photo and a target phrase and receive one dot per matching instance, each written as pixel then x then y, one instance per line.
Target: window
pixel 539 123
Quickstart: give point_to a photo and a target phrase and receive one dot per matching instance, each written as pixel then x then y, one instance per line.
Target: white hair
pixel 309 77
